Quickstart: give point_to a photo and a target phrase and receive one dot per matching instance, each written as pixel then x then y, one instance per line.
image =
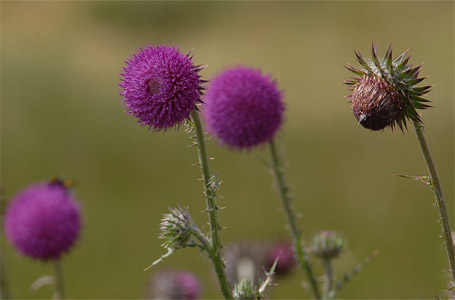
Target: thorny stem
pixel 59 285
pixel 326 262
pixel 212 208
pixel 283 192
pixel 436 186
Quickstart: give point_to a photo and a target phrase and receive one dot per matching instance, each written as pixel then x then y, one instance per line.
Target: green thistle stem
pixel 436 186
pixel 212 208
pixel 326 262
pixel 283 192
pixel 59 285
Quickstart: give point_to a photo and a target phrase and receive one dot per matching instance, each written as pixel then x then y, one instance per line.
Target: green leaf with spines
pixel 402 66
pixel 412 113
pixel 375 57
pixel 355 71
pixel 362 61
pixel 419 99
pixel 413 82
pixel 350 82
pixel 420 105
pixel 399 59
pixel 422 90
pixel 388 58
pixel 414 71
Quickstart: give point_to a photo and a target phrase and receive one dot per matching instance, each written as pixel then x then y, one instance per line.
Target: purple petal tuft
pixel 43 221
pixel 160 86
pixel 243 108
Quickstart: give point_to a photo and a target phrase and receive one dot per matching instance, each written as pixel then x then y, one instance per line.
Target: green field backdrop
pixel 61 115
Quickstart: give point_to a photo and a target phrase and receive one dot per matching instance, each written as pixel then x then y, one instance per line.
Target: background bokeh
pixel 61 115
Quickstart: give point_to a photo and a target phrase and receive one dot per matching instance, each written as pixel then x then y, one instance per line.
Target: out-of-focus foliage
pixel 61 115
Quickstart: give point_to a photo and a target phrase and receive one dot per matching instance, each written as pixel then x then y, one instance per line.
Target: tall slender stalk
pixel 212 208
pixel 59 284
pixel 283 191
pixel 436 186
pixel 327 263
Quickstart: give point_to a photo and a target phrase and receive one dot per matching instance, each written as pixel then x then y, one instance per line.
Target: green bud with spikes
pixel 327 245
pixel 245 290
pixel 176 228
pixel 384 91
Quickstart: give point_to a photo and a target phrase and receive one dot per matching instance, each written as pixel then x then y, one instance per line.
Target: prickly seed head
pixel 384 93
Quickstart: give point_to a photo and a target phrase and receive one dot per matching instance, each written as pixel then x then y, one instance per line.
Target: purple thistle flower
pixel 43 221
pixel 160 86
pixel 286 261
pixel 175 285
pixel 243 108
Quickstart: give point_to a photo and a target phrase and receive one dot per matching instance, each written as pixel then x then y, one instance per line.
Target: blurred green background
pixel 61 115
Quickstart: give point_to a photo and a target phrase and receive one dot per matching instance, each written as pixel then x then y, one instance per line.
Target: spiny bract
pixel 385 93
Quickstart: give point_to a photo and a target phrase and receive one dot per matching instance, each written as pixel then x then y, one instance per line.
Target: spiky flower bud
pixel 176 228
pixel 244 289
pixel 385 93
pixel 327 245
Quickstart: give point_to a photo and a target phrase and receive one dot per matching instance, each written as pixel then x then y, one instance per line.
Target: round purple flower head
pixel 43 221
pixel 243 107
pixel 286 261
pixel 175 285
pixel 160 86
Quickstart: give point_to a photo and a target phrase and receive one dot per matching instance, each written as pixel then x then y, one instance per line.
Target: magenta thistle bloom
pixel 175 285
pixel 286 261
pixel 243 107
pixel 43 221
pixel 160 86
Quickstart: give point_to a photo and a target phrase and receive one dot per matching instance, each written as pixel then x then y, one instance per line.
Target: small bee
pixel 66 183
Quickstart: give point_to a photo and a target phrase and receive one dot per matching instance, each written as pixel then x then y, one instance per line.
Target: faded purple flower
pixel 43 221
pixel 243 107
pixel 170 284
pixel 244 260
pixel 160 86
pixel 286 261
